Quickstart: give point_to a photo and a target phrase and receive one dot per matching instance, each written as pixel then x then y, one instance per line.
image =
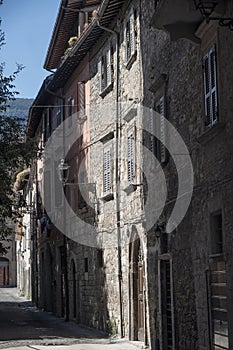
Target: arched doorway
pixel 4 272
pixel 137 305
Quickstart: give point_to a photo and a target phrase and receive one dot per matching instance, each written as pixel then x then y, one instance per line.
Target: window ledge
pixel 210 133
pixel 107 197
pixel 130 114
pixel 81 119
pixel 106 90
pixel 131 188
pixel 217 255
pixel 131 60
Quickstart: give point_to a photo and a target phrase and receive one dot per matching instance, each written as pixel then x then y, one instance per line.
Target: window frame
pixel 130 38
pixel 131 155
pixel 210 117
pixel 105 70
pixel 107 170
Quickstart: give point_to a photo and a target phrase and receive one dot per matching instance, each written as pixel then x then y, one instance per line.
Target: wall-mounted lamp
pixel 207 7
pixel 160 229
pixel 63 171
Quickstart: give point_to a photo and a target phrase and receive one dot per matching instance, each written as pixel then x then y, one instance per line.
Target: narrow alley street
pixel 24 327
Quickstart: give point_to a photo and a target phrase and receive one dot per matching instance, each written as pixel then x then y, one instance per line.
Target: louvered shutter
pixel 210 87
pixel 207 95
pixel 107 171
pixel 161 111
pixel 109 68
pixel 213 84
pixel 132 34
pixel 81 99
pixel 131 157
pixel 125 50
pixel 100 76
pixel 152 144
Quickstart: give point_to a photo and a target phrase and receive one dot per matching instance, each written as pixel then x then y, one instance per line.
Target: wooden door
pixel 140 296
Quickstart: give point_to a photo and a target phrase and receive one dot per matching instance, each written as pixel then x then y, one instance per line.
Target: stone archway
pixel 136 291
pixel 4 272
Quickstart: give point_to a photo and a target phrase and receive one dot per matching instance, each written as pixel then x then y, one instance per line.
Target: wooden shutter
pixel 81 99
pixel 100 75
pixel 109 68
pixel 213 70
pixel 131 157
pixel 132 34
pixel 107 171
pixel 161 110
pixel 210 87
pixel 152 145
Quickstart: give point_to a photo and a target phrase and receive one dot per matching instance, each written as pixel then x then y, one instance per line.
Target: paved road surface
pixel 24 327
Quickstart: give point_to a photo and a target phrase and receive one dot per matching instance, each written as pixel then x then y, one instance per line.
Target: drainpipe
pixel 117 177
pixel 66 280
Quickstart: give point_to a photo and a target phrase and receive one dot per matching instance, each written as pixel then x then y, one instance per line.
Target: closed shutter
pixel 131 157
pixel 107 171
pixel 161 111
pixel 109 68
pixel 70 111
pixel 210 87
pixel 152 145
pixel 132 34
pixel 81 99
pixel 100 75
pixel 213 84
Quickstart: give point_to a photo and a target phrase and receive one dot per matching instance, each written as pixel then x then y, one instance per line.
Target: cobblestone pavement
pixel 24 327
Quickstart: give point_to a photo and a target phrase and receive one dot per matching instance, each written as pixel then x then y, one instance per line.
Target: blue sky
pixel 28 26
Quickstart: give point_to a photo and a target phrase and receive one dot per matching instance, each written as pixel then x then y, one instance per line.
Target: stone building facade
pixel 134 266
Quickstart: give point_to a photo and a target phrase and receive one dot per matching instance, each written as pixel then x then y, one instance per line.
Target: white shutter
pixel 210 87
pixel 132 35
pixel 107 171
pixel 100 75
pixel 109 68
pixel 131 157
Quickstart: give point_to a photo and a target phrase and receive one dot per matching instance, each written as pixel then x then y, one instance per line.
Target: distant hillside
pixel 19 108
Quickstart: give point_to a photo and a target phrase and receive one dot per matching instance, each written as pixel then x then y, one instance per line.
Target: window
pixel 210 87
pixel 58 193
pixel 130 38
pixel 216 233
pixel 158 146
pixel 58 112
pixel 131 156
pixel 107 178
pixel 70 104
pixel 47 190
pixel 166 304
pixel 100 258
pixel 81 98
pixel 105 71
pixel 47 124
pixel 86 265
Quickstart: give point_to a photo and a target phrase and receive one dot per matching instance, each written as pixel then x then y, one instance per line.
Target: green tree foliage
pixel 15 153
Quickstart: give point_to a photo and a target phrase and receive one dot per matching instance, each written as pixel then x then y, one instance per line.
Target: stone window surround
pixel 108 147
pixel 130 32
pixel 208 34
pixel 105 70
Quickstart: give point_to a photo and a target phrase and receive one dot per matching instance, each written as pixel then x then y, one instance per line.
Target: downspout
pixel 117 177
pixel 66 280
